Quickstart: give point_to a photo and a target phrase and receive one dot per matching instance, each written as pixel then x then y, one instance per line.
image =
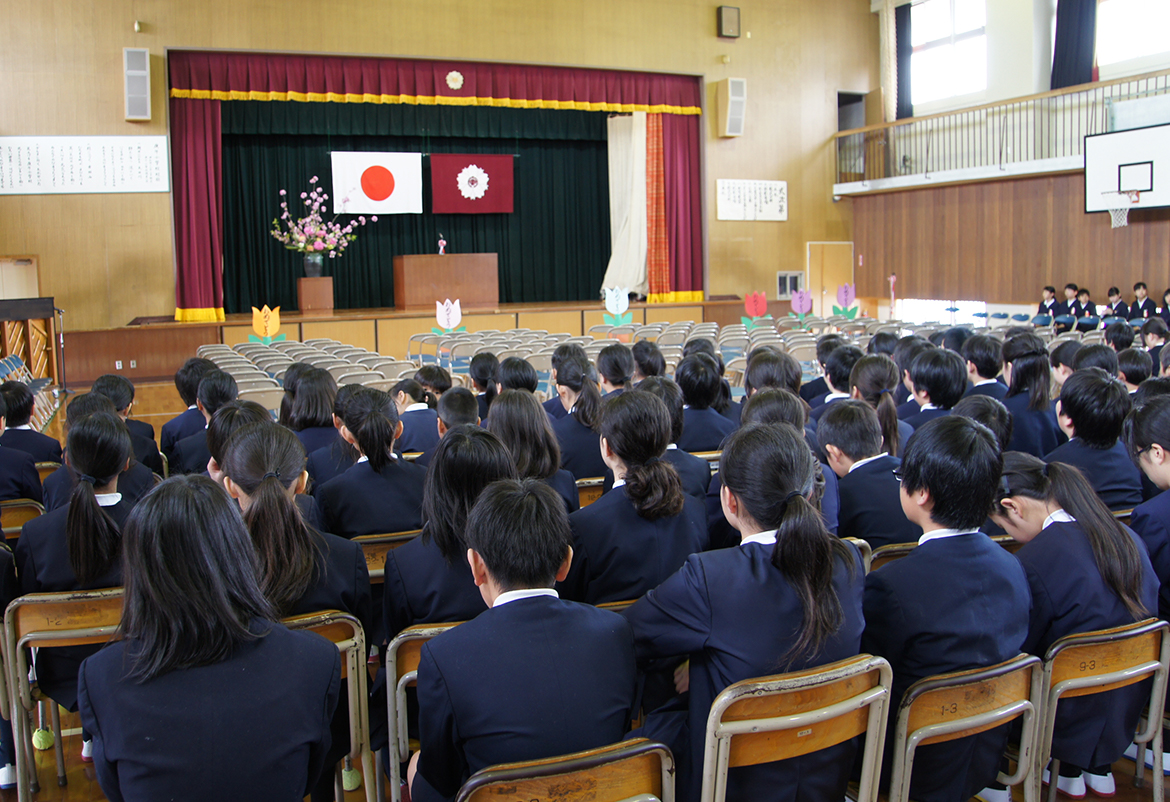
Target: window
pixel 920 310
pixel 949 38
pixel 1129 29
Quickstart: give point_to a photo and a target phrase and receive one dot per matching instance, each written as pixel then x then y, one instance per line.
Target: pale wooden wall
pixel 109 258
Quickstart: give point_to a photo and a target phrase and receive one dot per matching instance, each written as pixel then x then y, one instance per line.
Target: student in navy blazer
pixel 420 421
pixel 704 429
pixel 336 458
pixel 871 506
pixel 510 702
pixel 483 371
pixel 120 391
pixel 1091 411
pixel 1049 305
pixel 1086 572
pixel 1034 427
pixel 553 406
pixel 984 361
pixel 1116 306
pixel 190 455
pixel 642 531
pixel 202 672
pixel 579 443
pixel 1148 439
pixel 711 612
pixel 381 492
pixel 311 409
pixel 615 368
pixel 873 380
pixel 940 379
pixel 818 387
pixel 18 434
pixel 191 420
pixel 1142 306
pixel 905 352
pixel 694 472
pixel 133 483
pixel 838 367
pixel 525 431
pixel 958 601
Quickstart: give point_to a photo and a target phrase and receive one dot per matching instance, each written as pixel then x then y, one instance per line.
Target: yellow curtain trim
pixel 432 100
pixel 680 297
pixel 199 315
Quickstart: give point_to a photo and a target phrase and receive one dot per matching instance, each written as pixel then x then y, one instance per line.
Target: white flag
pixel 377 183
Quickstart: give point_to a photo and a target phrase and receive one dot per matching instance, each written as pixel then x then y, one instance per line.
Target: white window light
pixel 1130 29
pixel 949 41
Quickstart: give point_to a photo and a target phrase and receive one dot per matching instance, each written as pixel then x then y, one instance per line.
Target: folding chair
pixel 866 551
pixel 1099 661
pixel 712 457
pixel 345 631
pixel 15 513
pixel 788 715
pixel 636 769
pixel 46 469
pixel 269 399
pixel 375 548
pixel 951 706
pixel 46 621
pixel 589 490
pixel 889 553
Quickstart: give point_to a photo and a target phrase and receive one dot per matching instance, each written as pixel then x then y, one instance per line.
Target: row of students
pixel 1078 304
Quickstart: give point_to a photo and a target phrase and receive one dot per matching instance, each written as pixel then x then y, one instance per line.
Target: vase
pixel 313 264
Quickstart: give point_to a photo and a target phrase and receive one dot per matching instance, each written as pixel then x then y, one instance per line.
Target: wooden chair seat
pixel 47 469
pixel 589 490
pixel 376 547
pixel 15 513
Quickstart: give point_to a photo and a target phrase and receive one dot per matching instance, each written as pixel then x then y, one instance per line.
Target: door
pixel 830 265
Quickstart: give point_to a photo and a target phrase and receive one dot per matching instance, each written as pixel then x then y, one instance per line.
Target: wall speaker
pixel 136 72
pixel 731 97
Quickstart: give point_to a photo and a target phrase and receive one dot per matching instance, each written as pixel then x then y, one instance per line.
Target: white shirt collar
pixel 107 499
pixel 193 406
pixel 865 461
pixel 672 447
pixel 416 407
pixel 1049 302
pixel 617 483
pixel 767 538
pixel 927 406
pixel 982 382
pixel 834 396
pixel 25 426
pixel 938 534
pixel 527 593
pixel 362 458
pixel 1058 517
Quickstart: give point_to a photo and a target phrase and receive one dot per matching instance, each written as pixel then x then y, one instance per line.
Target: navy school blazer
pixel 421 587
pixel 566 486
pixel 420 430
pixel 720 533
pixel 694 472
pixel 183 425
pixel 908 409
pixel 364 502
pixel 190 454
pixel 997 390
pixel 146 452
pixel 580 448
pixel 1151 521
pixel 1141 309
pixel 555 409
pixel 333 460
pixel 529 679
pixel 1110 471
pixel 704 430
pixel 18 476
pixel 810 390
pixel 40 447
pixel 816 413
pixel 926 416
pixel 140 428
pixel 133 483
pixel 871 505
pixel 314 437
pixel 1034 431
pixel 951 604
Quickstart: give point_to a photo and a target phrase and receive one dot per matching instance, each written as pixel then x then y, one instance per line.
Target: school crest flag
pixel 474 183
pixel 377 183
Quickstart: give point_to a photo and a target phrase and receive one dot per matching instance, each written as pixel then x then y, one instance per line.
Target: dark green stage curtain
pixel 554 247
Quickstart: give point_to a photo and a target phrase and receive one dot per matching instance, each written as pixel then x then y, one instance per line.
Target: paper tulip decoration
pixel 756 305
pixel 801 305
pixel 617 301
pixel 265 322
pixel 448 314
pixel 846 295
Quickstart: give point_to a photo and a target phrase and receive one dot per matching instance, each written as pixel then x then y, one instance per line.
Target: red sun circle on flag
pixel 377 183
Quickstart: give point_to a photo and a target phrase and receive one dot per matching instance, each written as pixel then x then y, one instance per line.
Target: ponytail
pixel 372 416
pixel 875 377
pixel 655 488
pixel 416 392
pixel 576 374
pixel 484 372
pixel 637 427
pixel 98 448
pixel 1031 373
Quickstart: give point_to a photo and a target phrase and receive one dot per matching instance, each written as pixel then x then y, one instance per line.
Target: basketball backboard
pixel 1127 169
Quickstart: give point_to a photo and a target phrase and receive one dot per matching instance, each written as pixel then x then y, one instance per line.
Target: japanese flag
pixel 377 183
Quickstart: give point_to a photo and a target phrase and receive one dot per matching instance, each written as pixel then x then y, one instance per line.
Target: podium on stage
pixel 420 280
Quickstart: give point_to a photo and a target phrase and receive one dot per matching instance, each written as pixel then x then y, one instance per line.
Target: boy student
pixel 1134 366
pixel 939 381
pixel 18 433
pixel 191 454
pixel 1088 308
pixel 991 413
pixel 1142 307
pixel 562 354
pixel 1071 305
pixel 18 471
pixel 837 369
pixel 905 353
pixel 1154 334
pixel 1119 335
pixel 814 392
pixel 1063 360
pixel 187 380
pixel 510 703
pixel 1116 307
pixel 958 601
pixel 1096 356
pixel 457 406
pixel 120 391
pixel 1048 303
pixel 984 357
pixel 871 509
pixel 1091 411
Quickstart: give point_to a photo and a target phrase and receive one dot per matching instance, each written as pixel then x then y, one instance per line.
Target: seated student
pixel 1097 356
pixel 578 394
pixel 704 429
pixel 991 413
pixel 1025 368
pixel 1116 307
pixel 187 380
pixel 871 507
pixel 18 433
pixel 530 647
pixel 301 570
pixel 1119 336
pixel 1091 411
pixel 525 431
pixel 1134 367
pixel 694 472
pixel 311 410
pixel 381 493
pixel 1088 308
pixel 564 352
pixel 1154 335
pixel 615 368
pixel 984 356
pixel 955 337
pixel 1048 303
pixel 648 360
pixel 433 378
pixel 78 546
pixel 120 390
pixel 788 564
pixel 1086 572
pixel 940 379
pixel 766 369
pixel 873 380
pixel 904 355
pixel 202 667
pixel 1072 303
pixel 956 602
pixel 516 373
pixel 883 342
pixel 9 591
pixel 292 380
pixel 642 531
pixel 416 411
pixel 838 366
pixel 722 403
pixel 484 374
pixel 190 454
pixel 18 471
pixel 1147 429
pixel 1155 385
pixel 459 409
pixel 813 392
pixel 1142 306
pixel 338 456
pixel 428 579
pixel 1063 361
pixel 133 483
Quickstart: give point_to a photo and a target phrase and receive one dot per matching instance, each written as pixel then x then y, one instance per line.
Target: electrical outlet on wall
pixel 133 364
pixel 118 364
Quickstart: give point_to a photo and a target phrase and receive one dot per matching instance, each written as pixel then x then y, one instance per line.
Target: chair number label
pixel 803 733
pixel 949 709
pixel 1088 665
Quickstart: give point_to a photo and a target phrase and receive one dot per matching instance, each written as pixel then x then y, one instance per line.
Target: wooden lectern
pixel 315 296
pixel 473 278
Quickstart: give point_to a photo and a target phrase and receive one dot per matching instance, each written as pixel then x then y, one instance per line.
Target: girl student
pixel 311 414
pixel 416 410
pixel 577 390
pixel 484 373
pixel 523 426
pixel 1147 434
pixel 338 456
pixel 874 380
pixel 1025 368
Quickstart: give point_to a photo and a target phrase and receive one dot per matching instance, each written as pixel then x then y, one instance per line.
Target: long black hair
pixel 1117 556
pixel 372 418
pixel 875 377
pixel 636 425
pixel 576 374
pixel 312 405
pixel 191 582
pixel 291 380
pixel 415 392
pixel 771 471
pixel 1028 357
pixel 98 448
pixel 523 427
pixel 484 372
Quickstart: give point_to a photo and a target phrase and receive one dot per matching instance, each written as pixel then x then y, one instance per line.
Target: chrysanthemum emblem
pixel 473 182
pixel 455 79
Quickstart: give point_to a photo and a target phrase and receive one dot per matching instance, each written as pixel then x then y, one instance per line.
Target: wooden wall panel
pixel 358 333
pixel 551 321
pixel 394 334
pixel 674 313
pixel 158 351
pixel 1002 241
pixel 482 322
pixel 240 334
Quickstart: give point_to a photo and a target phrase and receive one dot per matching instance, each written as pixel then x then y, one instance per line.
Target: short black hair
pixel 648 359
pixel 218 387
pixel 827 344
pixel 907 350
pixel 936 338
pixel 1157 385
pixel 1113 292
pixel 985 353
pixel 1071 286
pixel 1096 356
pixel 187 377
pixel 19 402
pixel 1142 285
pixel 117 388
pixel 851 426
pixel 82 405
pixel 991 413
pixel 1050 288
pixel 1065 354
pixel 955 337
pixel 1135 365
pixel 883 342
pixel 458 406
pixel 665 388
pixel 433 378
pixel 1097 404
pixel 1119 335
pixel 698 378
pixel 616 364
pixel 942 374
pixel 840 364
pixel 520 529
pixel 957 461
pixel 517 373
pixel 1083 291
pixel 1155 326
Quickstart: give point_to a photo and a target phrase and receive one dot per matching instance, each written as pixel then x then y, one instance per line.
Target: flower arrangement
pixel 312 233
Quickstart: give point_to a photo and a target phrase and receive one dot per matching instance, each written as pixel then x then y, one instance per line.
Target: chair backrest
pixel 589 490
pixel 889 553
pixel 375 548
pixel 865 549
pixel 16 512
pixel 712 457
pixel 46 469
pixel 950 706
pixel 269 399
pixel 634 769
pixel 788 715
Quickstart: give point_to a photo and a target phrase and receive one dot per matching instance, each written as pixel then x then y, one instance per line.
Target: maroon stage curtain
pixel 680 155
pixel 196 168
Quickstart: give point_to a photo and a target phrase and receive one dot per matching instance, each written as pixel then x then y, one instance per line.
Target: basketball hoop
pixel 1120 217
